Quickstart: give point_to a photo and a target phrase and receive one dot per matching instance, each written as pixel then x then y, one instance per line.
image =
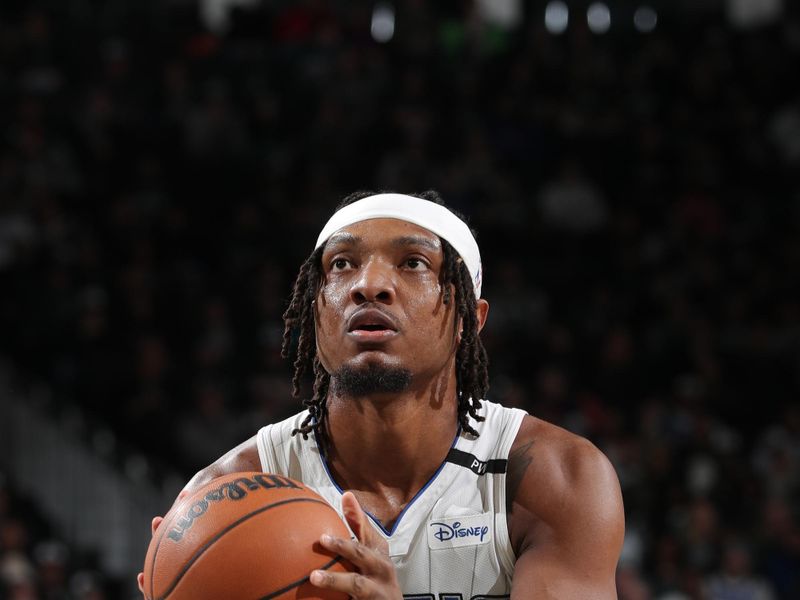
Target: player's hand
pixel 140 577
pixel 153 526
pixel 376 578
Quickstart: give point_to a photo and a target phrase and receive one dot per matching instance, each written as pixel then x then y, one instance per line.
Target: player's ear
pixel 482 310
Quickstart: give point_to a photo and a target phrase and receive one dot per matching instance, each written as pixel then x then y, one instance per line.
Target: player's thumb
pixel 155 523
pixel 357 519
pixel 359 523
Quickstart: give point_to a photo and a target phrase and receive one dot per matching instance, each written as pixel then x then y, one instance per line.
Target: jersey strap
pixel 474 464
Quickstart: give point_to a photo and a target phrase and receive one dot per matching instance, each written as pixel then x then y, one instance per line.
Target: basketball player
pixel 449 496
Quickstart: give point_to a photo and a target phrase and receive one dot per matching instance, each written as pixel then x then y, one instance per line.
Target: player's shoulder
pixel 240 459
pixel 284 428
pixel 497 424
pixel 553 472
pixel 245 457
pixel 556 446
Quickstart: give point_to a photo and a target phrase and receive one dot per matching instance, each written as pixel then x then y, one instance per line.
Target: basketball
pixel 244 536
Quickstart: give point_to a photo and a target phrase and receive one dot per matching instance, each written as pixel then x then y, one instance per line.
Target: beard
pixel 370 379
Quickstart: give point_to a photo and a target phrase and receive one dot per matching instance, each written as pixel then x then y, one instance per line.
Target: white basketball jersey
pixel 451 542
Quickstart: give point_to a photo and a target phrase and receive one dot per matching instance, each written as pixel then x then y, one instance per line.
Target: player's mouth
pixel 371 324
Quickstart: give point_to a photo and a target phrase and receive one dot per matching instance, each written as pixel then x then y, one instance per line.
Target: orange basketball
pixel 244 536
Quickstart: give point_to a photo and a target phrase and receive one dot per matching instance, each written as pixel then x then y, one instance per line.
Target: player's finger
pixel 157 520
pixel 355 515
pixel 367 560
pixel 357 519
pixel 155 523
pixel 354 584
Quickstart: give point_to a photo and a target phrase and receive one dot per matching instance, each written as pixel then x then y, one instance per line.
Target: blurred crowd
pixel 636 196
pixel 35 563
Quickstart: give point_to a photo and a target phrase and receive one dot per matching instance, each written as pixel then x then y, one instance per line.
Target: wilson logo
pixel 232 490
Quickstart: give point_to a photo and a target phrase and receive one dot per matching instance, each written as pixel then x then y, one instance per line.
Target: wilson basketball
pixel 244 536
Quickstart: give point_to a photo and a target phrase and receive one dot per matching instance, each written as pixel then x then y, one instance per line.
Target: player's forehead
pixel 383 233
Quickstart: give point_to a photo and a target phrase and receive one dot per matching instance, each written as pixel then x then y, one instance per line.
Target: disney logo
pixel 447 532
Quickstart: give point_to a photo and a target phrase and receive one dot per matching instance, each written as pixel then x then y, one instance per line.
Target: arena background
pixel 633 170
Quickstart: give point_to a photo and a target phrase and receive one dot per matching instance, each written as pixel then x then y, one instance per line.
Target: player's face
pixel 381 302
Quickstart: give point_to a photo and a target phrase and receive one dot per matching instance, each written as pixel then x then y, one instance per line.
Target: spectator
pixel 735 580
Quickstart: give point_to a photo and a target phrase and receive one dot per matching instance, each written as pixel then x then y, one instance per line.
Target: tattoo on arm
pixel 518 462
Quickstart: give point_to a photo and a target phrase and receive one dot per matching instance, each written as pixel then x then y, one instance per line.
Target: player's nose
pixel 375 283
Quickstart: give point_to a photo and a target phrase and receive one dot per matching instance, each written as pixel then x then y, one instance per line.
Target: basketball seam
pixel 300 582
pixel 216 537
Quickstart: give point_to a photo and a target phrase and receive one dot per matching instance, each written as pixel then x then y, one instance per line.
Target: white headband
pixel 431 216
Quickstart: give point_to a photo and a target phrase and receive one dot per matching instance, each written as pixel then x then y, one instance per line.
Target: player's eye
pixel 339 264
pixel 416 264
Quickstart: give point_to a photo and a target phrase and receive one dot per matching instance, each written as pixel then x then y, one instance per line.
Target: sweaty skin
pixel 565 511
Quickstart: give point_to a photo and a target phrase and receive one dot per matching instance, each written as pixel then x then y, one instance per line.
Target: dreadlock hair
pixel 472 375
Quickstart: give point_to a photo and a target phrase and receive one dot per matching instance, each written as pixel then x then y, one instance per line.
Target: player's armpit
pixel 567 520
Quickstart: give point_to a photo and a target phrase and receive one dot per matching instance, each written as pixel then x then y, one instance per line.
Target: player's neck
pixel 396 442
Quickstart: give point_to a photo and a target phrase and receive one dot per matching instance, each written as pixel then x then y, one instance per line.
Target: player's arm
pixel 566 517
pixel 243 457
pixel 375 578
